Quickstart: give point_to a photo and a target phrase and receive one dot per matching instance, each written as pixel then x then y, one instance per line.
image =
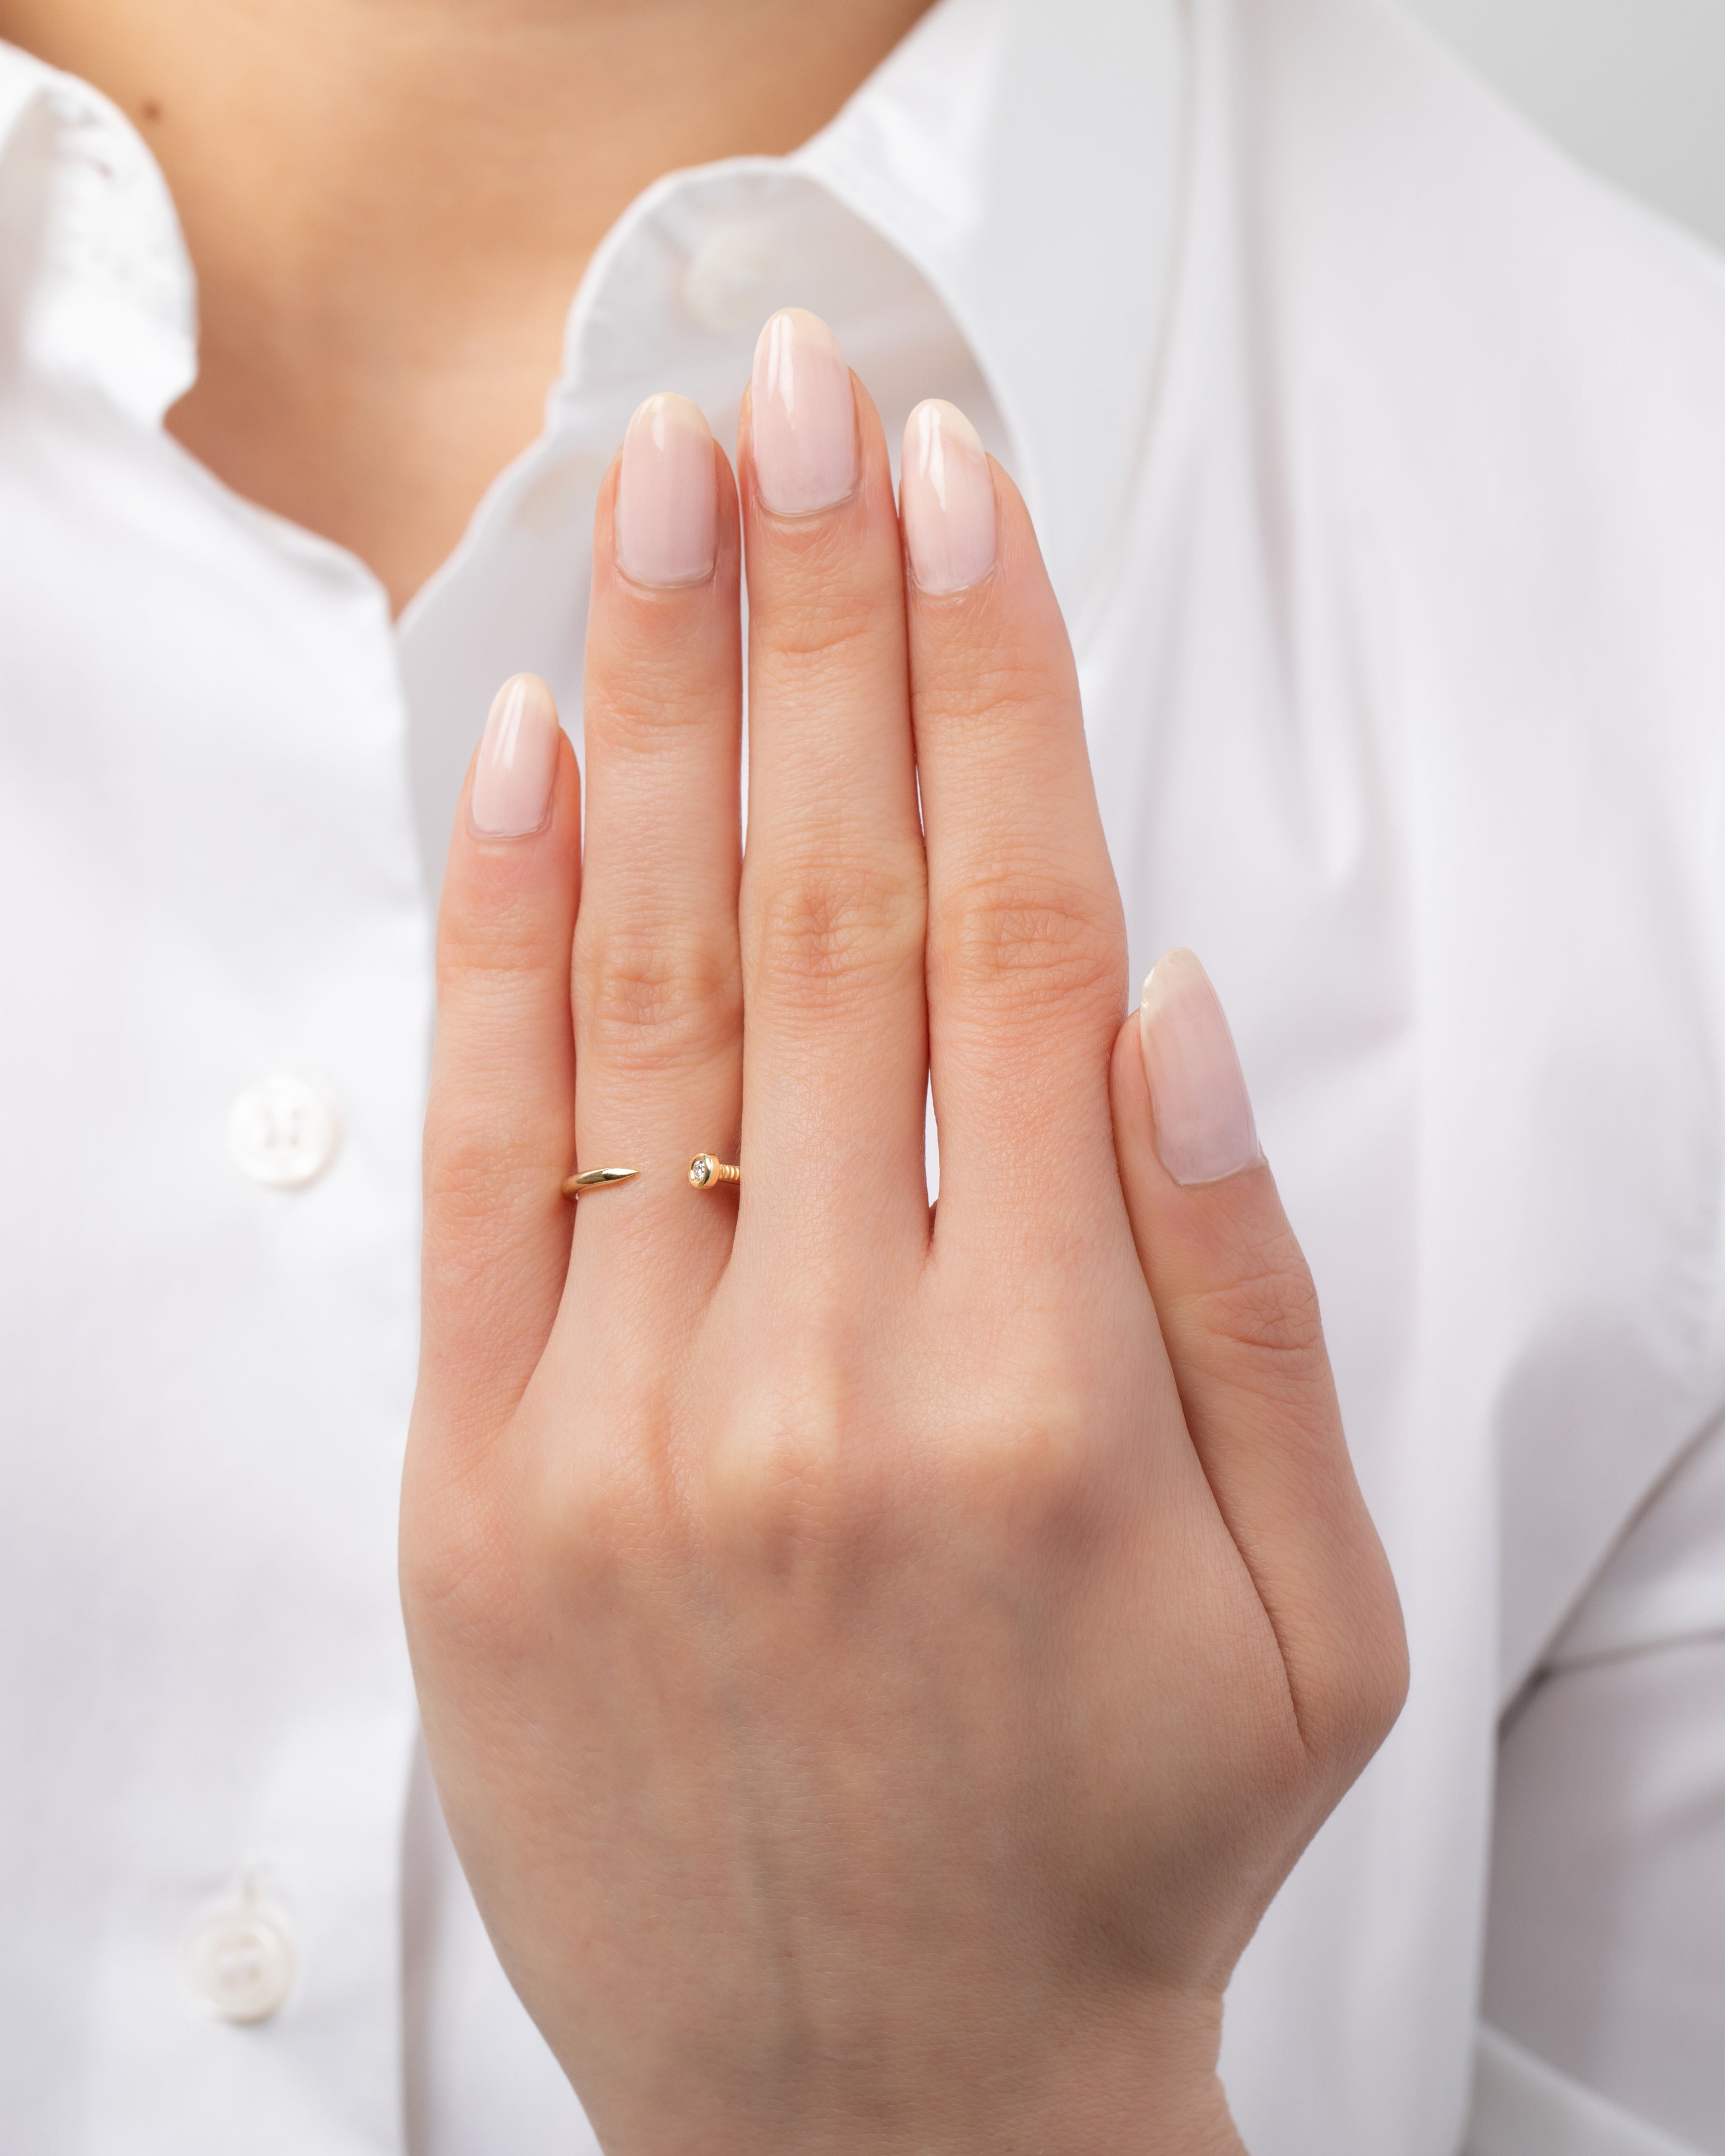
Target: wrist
pixel 1140 2082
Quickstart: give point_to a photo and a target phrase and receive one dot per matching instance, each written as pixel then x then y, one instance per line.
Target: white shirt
pixel 1379 457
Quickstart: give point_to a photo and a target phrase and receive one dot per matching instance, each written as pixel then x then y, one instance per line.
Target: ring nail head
pixel 596 1178
pixel 705 1171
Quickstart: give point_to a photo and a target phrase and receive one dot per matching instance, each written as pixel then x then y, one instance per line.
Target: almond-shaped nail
pixel 803 416
pixel 668 495
pixel 517 762
pixel 1204 1115
pixel 945 499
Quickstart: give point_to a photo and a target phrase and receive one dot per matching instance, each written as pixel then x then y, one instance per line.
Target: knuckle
pixel 1028 944
pixel 809 1473
pixel 821 927
pixel 1001 693
pixel 1349 1663
pixel 644 992
pixel 1369 1686
pixel 1346 1717
pixel 1029 1456
pixel 827 605
pixel 651 706
pixel 1033 1480
pixel 608 1519
pixel 586 1529
pixel 1380 1696
pixel 477 1141
pixel 509 939
pixel 822 637
pixel 471 1164
pixel 781 1484
pixel 1264 1312
pixel 459 1187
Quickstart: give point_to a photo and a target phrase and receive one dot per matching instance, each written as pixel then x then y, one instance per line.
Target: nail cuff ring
pixel 596 1178
pixel 704 1171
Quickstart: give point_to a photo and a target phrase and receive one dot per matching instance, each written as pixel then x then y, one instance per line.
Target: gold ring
pixel 596 1178
pixel 704 1171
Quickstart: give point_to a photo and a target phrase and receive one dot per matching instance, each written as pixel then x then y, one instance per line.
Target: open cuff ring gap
pixel 705 1172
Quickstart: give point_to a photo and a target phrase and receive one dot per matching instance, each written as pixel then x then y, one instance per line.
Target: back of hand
pixel 879 1661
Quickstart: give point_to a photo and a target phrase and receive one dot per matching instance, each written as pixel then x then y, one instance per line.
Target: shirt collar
pixel 1026 160
pixel 95 281
pixel 1029 161
pixel 1015 170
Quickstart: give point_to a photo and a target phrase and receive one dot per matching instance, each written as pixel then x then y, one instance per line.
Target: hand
pixel 879 1663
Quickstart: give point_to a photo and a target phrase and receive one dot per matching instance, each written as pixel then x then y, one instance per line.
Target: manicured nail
pixel 517 762
pixel 804 416
pixel 945 499
pixel 1203 1116
pixel 667 495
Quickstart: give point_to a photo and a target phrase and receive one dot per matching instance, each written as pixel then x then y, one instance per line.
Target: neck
pixel 389 205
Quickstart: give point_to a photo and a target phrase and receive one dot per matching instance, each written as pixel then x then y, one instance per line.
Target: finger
pixel 833 894
pixel 1026 943
pixel 500 1124
pixel 1239 1313
pixel 658 993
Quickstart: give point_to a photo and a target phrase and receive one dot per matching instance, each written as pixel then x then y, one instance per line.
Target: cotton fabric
pixel 1380 459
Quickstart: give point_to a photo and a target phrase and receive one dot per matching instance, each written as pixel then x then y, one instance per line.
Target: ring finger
pixel 658 993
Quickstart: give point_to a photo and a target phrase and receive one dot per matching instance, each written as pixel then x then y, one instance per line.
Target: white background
pixel 1635 88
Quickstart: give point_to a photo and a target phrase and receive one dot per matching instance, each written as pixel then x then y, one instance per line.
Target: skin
pixel 878 1663
pixel 389 205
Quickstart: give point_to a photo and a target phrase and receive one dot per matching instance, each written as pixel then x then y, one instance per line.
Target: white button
pixel 729 277
pixel 282 1131
pixel 241 1962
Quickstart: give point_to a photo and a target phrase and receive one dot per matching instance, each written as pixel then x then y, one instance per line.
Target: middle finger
pixel 835 893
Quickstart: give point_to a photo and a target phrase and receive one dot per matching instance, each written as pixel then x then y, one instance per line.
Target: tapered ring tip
pixel 596 1178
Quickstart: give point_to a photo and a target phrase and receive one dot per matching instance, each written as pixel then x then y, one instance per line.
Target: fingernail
pixel 517 762
pixel 945 499
pixel 667 495
pixel 804 416
pixel 1204 1115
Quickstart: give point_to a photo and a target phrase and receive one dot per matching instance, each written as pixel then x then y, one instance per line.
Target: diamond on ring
pixel 706 1172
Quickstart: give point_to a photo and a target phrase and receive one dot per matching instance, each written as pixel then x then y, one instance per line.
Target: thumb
pixel 1239 1313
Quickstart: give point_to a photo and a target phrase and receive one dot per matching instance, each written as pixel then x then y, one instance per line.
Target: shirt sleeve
pixel 1604 1982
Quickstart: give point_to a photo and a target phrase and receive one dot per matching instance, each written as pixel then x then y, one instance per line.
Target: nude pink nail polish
pixel 1205 1128
pixel 668 495
pixel 945 499
pixel 803 416
pixel 517 762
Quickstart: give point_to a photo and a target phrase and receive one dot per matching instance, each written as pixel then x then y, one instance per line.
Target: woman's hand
pixel 878 1667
